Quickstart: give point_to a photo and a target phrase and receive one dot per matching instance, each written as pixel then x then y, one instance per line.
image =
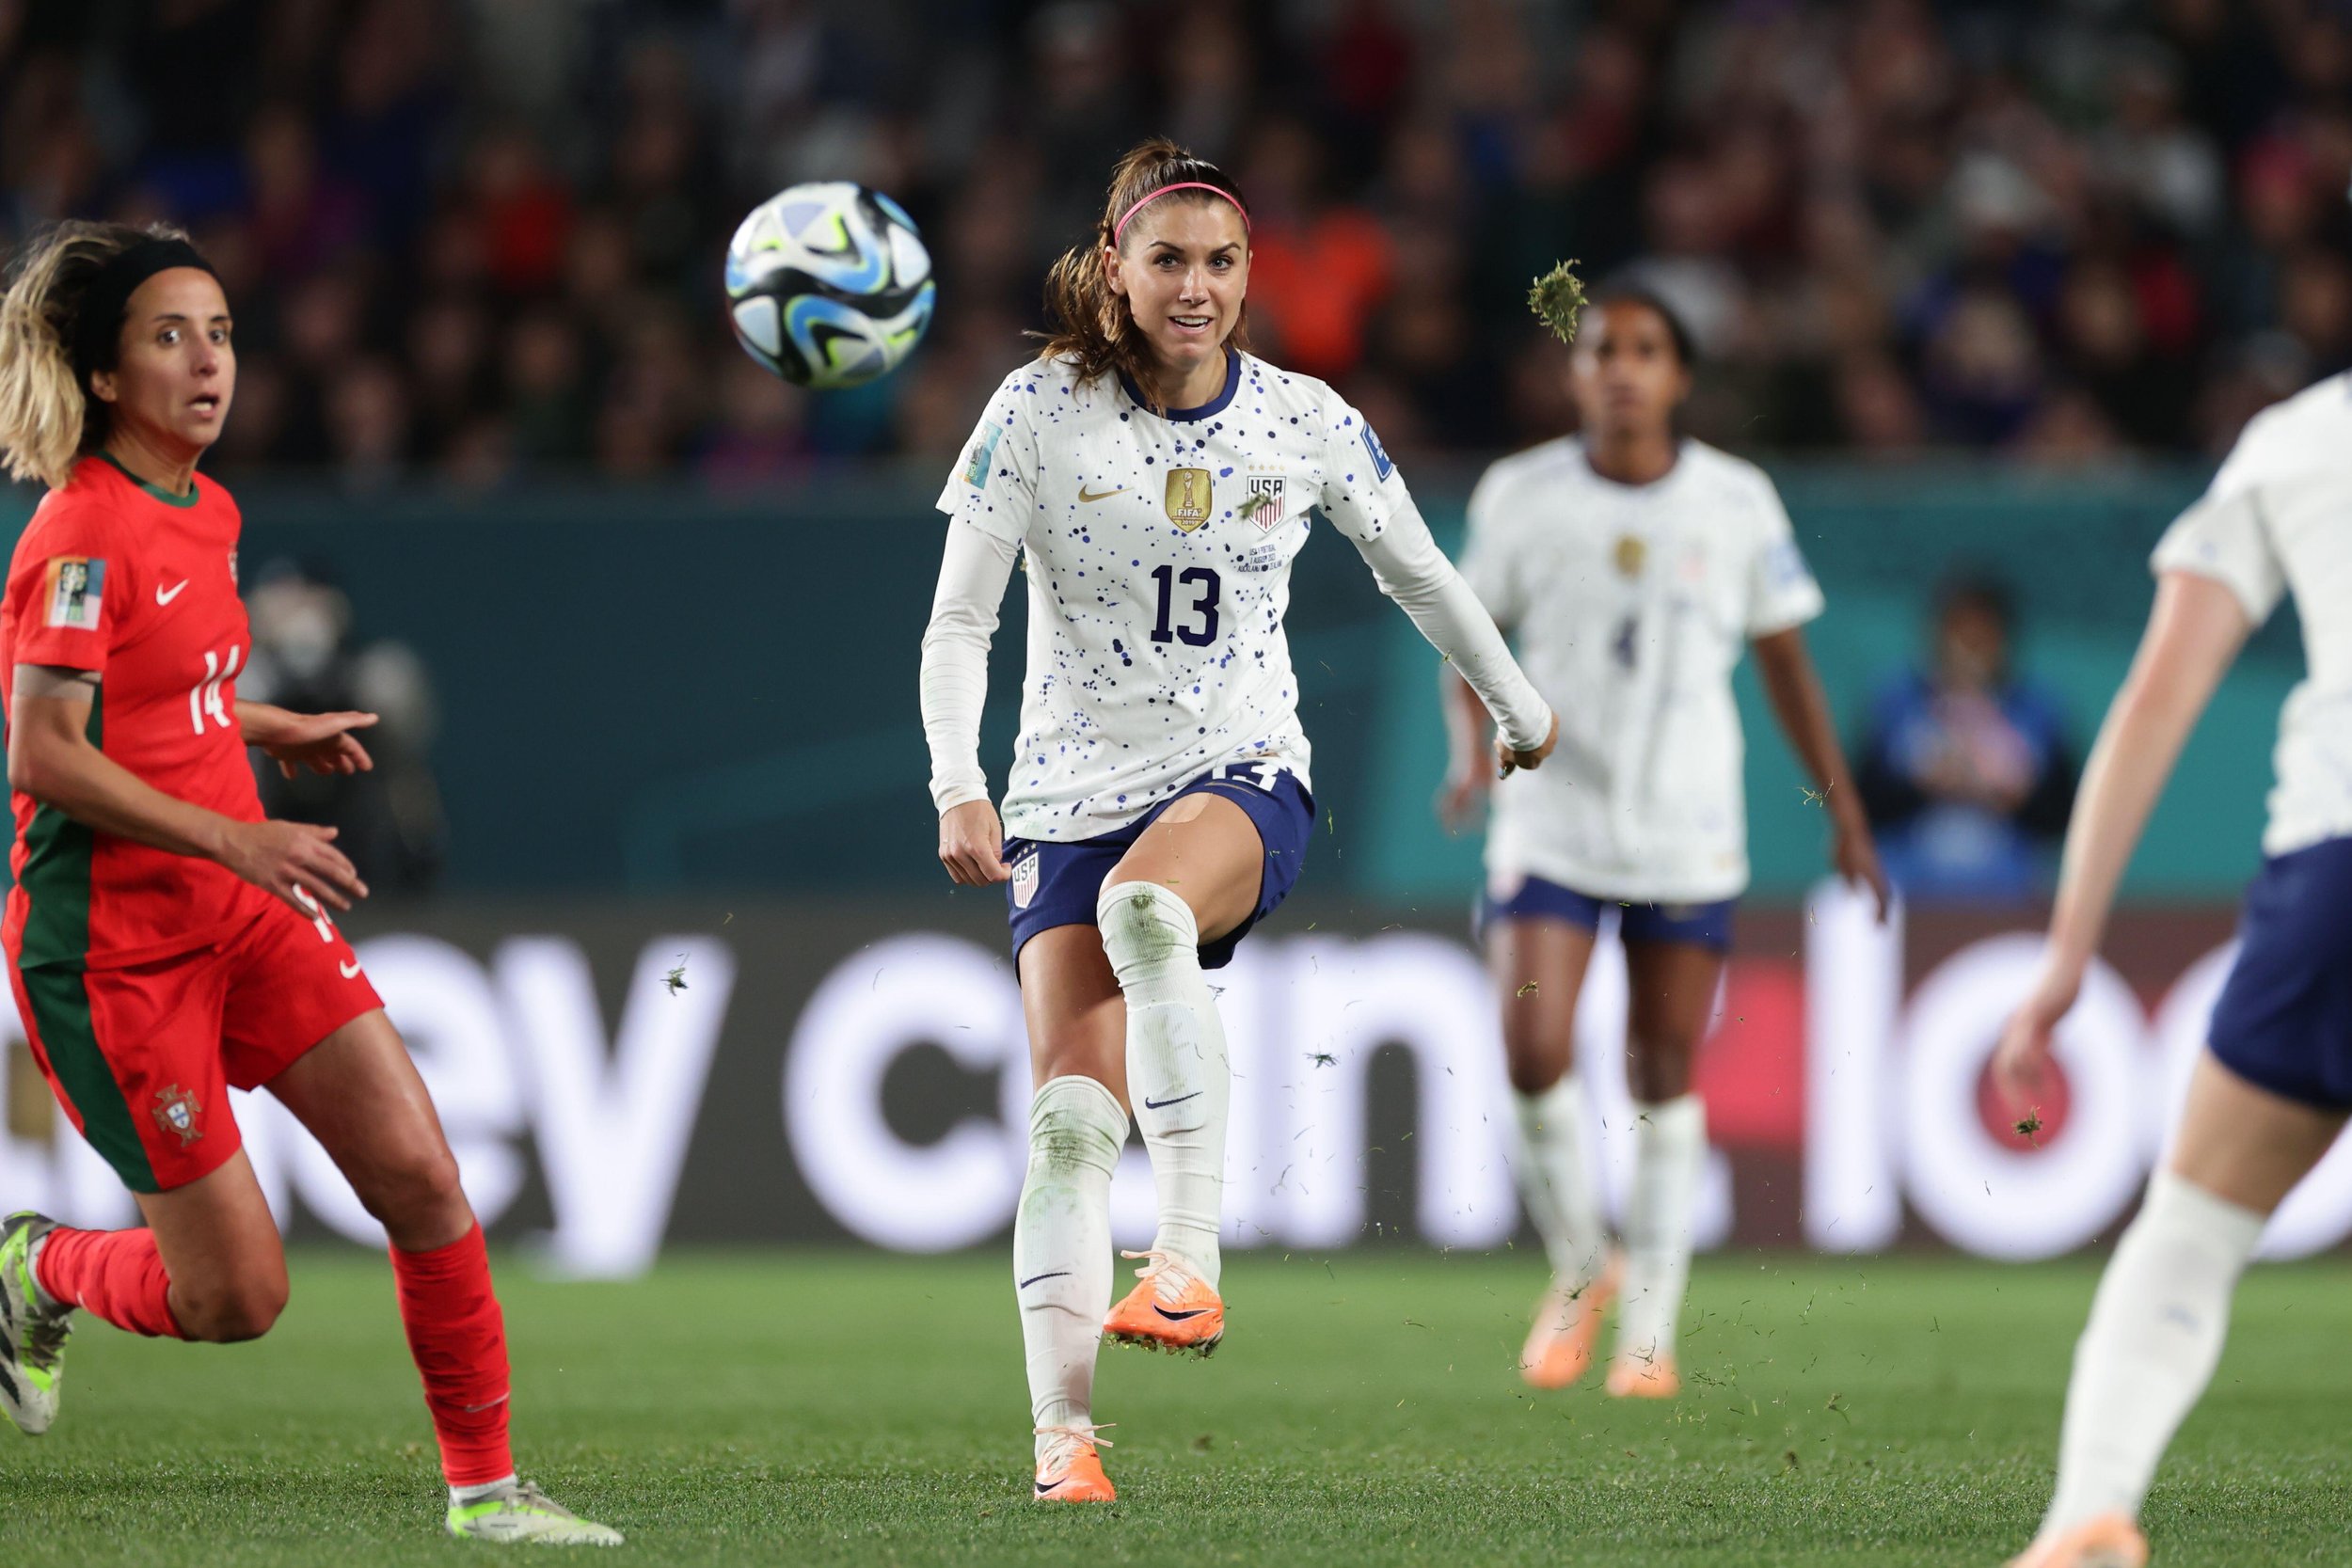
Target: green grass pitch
pixel 838 1408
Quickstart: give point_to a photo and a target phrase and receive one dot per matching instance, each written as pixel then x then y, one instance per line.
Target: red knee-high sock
pixel 117 1275
pixel 458 1338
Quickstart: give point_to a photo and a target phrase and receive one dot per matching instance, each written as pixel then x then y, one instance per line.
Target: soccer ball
pixel 828 284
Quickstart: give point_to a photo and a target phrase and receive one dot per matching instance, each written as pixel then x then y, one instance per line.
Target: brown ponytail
pixel 48 416
pixel 1093 325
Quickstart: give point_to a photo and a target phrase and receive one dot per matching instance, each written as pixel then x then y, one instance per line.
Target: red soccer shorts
pixel 143 1057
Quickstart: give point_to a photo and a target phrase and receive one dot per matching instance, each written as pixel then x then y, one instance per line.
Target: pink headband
pixel 1120 227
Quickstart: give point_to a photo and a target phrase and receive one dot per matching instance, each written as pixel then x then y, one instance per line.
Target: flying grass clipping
pixel 1556 298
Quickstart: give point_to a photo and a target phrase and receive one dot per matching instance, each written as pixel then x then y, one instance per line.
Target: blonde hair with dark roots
pixel 1093 325
pixel 48 418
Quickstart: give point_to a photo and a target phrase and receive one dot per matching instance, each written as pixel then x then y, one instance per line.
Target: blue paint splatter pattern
pixel 1156 593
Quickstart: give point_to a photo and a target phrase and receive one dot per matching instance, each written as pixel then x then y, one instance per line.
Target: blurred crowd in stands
pixel 476 239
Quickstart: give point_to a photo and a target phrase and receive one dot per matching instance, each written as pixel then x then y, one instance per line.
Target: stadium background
pixel 1985 286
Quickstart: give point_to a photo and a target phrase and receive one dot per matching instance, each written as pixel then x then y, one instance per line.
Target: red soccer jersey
pixel 140 586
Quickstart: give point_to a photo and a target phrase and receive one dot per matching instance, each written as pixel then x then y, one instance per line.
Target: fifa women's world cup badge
pixel 176 1110
pixel 1188 497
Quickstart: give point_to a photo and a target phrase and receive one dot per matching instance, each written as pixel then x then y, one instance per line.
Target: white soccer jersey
pixel 1632 604
pixel 2278 519
pixel 1158 550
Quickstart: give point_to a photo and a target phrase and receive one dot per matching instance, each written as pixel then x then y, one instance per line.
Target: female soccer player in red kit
pixel 164 941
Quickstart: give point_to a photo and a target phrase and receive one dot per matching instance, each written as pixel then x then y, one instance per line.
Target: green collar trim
pixel 155 490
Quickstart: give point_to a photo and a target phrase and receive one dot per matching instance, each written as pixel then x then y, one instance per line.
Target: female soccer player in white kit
pixel 1159 479
pixel 1634 567
pixel 2273 1088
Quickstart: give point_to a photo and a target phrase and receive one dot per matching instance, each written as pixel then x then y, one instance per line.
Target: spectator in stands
pixel 1965 767
pixel 2066 233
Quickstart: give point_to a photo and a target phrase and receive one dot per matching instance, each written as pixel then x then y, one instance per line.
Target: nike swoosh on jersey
pixel 165 595
pixel 1085 495
pixel 350 970
pixel 1152 1104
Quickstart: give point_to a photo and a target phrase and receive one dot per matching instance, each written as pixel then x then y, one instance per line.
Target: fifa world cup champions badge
pixel 76 587
pixel 1188 497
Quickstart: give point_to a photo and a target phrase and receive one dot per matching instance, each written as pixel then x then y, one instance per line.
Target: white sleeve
pixel 972 579
pixel 1486 564
pixel 1360 489
pixel 1415 573
pixel 2225 537
pixel 994 486
pixel 1781 590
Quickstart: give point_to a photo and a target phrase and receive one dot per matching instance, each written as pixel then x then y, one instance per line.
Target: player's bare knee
pixel 1080 1053
pixel 1536 1048
pixel 1659 1068
pixel 234 1310
pixel 1534 1072
pixel 417 1191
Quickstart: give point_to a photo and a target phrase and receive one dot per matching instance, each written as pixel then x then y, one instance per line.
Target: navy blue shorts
pixel 1700 924
pixel 1057 884
pixel 2285 1020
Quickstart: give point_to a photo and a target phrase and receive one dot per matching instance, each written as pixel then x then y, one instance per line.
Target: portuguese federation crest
pixel 175 1111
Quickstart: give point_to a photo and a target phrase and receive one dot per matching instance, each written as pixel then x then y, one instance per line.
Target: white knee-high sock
pixel 1669 1149
pixel 1555 1183
pixel 2155 1333
pixel 1061 1243
pixel 1178 1079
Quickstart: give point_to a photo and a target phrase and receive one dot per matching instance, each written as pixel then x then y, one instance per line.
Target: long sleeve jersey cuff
pixel 1411 570
pixel 972 577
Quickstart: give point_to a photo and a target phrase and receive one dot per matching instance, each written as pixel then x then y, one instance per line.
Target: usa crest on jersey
pixel 1265 504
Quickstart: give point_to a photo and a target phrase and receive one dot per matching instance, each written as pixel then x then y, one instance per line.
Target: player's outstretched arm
pixel 2194 634
pixel 50 758
pixel 972 579
pixel 1802 709
pixel 1412 571
pixel 1469 756
pixel 323 742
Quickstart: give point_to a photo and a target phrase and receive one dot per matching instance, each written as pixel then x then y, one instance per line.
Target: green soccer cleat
pixel 33 1329
pixel 519 1513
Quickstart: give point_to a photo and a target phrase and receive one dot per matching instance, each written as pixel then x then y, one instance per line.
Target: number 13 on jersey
pixel 1205 586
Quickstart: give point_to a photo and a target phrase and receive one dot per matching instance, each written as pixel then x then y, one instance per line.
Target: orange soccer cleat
pixel 1070 1471
pixel 1172 1308
pixel 2103 1541
pixel 1568 1322
pixel 1652 1377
